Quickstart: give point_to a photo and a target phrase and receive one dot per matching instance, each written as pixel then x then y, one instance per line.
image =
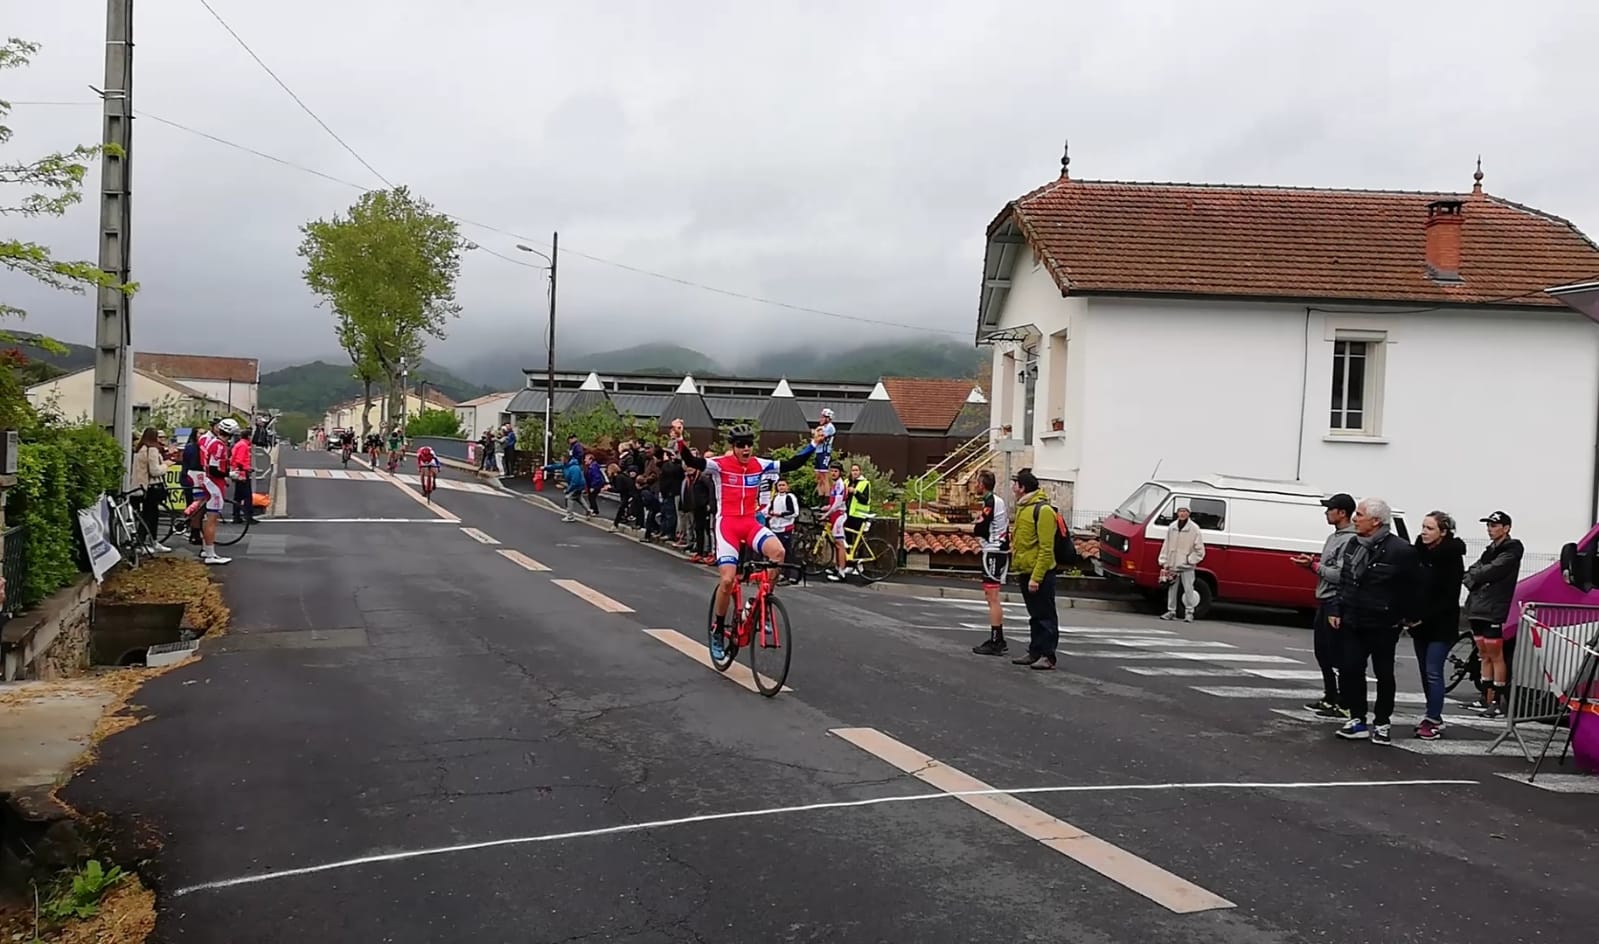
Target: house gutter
pixel 1304 392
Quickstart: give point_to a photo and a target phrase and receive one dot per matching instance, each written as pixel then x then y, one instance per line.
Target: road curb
pixel 1009 596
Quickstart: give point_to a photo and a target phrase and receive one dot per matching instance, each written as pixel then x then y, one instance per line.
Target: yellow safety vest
pixel 860 500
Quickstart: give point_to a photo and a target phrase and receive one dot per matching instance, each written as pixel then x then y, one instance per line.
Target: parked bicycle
pixel 759 624
pixel 871 557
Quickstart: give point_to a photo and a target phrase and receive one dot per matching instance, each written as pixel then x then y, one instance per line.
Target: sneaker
pixel 1380 735
pixel 1168 615
pixel 717 652
pixel 1318 705
pixel 1188 619
pixel 1428 730
pixel 1046 664
pixel 214 559
pixel 1333 711
pixel 991 647
pixel 1354 730
pixel 1493 711
pixel 162 548
pixel 834 576
pixel 1027 659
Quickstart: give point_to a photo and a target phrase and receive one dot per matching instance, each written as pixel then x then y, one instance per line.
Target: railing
pixel 13 566
pixel 957 467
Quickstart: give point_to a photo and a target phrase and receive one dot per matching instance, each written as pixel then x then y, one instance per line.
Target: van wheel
pixel 1207 596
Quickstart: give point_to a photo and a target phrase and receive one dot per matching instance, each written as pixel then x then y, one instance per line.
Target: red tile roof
pixel 941 542
pixel 199 367
pixel 925 403
pixel 1285 242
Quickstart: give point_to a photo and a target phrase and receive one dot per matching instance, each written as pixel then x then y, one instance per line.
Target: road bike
pixel 871 558
pixel 1462 662
pixel 344 454
pixel 759 624
pixel 128 532
pixel 429 481
pixel 229 532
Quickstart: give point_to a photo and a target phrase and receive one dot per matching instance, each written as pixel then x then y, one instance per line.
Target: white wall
pixel 1034 299
pixel 243 396
pixel 73 394
pixel 478 417
pixel 1479 411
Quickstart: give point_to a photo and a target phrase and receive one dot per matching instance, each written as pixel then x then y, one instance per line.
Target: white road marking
pixel 1117 864
pixel 592 596
pixel 1093 631
pixel 1450 721
pixel 522 560
pixel 1287 675
pixel 1286 694
pixel 1446 747
pixel 1184 671
pixel 279 874
pixel 978 604
pixel 737 671
pixel 1298 649
pixel 1164 641
pixel 278 521
pixel 1185 656
pixel 1556 783
pixel 479 536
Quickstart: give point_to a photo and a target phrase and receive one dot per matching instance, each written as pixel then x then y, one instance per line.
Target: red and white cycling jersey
pixel 737 485
pixel 213 455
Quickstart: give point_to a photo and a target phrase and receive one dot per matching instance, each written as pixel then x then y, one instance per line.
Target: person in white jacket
pixel 1182 552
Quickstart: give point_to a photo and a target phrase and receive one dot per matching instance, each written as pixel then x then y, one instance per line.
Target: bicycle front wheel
pixel 1458 665
pixel 229 530
pixel 729 653
pixel 772 649
pixel 816 553
pixel 882 563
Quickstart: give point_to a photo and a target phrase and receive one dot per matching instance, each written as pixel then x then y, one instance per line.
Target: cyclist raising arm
pixel 736 483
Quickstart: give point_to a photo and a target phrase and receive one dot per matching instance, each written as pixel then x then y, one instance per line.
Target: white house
pixel 72 395
pixel 234 381
pixel 480 413
pixel 347 415
pixel 1382 343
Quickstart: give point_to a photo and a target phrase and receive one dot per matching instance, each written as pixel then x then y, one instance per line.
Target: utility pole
pixel 549 388
pixel 113 357
pixel 549 391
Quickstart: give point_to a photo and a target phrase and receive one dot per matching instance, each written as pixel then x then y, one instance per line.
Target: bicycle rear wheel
pixel 1461 662
pixel 883 562
pixel 729 652
pixel 230 532
pixel 772 649
pixel 815 553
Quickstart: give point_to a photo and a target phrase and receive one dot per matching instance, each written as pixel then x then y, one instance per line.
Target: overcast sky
pixel 842 156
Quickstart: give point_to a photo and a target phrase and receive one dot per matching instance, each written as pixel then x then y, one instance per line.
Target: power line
pixel 283 85
pixel 248 150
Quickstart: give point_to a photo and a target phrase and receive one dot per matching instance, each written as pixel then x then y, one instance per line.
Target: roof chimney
pixel 1444 218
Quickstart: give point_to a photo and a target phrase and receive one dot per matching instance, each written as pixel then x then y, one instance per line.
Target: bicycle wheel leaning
pixel 882 563
pixel 229 530
pixel 815 550
pixel 772 649
pixel 1461 662
pixel 729 653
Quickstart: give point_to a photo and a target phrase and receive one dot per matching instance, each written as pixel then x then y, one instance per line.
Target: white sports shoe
pixel 213 559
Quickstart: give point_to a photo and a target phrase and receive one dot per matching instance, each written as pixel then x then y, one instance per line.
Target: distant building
pixel 234 381
pixel 72 395
pixel 485 412
pixel 348 415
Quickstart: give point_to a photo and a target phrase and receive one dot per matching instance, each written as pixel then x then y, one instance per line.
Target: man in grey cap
pixel 1327 643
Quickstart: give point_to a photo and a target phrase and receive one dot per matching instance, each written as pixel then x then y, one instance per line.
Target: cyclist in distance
pixel 735 479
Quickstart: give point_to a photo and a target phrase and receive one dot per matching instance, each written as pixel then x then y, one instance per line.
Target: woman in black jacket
pixel 1442 560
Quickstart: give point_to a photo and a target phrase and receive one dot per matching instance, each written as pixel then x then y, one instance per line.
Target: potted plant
pixel 1057 424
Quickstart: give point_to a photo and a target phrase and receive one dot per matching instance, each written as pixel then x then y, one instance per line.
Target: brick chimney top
pixel 1444 219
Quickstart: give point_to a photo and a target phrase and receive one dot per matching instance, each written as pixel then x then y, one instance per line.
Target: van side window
pixel 1209 513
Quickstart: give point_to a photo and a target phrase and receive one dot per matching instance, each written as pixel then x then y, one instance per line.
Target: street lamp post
pixel 549 386
pixel 405 372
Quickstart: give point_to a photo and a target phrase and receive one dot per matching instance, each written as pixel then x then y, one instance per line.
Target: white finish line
pixel 276 875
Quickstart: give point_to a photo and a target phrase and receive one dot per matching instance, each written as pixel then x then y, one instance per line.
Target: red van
pixel 1252 529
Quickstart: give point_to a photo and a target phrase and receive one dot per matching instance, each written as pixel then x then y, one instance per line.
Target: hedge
pixel 59 472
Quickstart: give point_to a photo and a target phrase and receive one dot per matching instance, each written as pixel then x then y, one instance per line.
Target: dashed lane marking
pixel 589 594
pixel 1117 864
pixel 280 874
pixel 1184 671
pixel 737 671
pixel 479 536
pixel 517 557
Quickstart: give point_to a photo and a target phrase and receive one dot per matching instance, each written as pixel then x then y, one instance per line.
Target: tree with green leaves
pixel 387 268
pixel 431 422
pixel 42 186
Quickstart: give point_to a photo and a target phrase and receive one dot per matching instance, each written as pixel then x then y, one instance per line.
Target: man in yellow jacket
pixel 1032 560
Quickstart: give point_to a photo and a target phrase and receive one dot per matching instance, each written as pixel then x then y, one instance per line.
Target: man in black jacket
pixel 1377 597
pixel 1491 583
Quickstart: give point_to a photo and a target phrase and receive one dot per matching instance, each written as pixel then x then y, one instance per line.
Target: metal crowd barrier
pixel 1557 650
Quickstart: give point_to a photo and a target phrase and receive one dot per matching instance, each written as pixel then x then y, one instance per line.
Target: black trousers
pixel 150 511
pixel 1366 641
pixel 702 531
pixel 1043 624
pixel 1329 647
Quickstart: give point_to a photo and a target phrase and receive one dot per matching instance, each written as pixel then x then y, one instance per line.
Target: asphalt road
pixel 458 748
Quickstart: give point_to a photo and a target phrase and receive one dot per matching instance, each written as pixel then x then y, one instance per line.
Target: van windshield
pixel 1142 503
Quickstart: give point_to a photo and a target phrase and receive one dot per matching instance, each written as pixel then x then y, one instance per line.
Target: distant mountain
pixel 648 358
pixel 77 357
pixel 865 364
pixel 312 388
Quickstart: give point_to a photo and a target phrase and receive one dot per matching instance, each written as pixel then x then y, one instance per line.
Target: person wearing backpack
pixel 1034 532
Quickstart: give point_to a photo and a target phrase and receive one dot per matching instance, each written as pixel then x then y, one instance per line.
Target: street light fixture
pixel 549 387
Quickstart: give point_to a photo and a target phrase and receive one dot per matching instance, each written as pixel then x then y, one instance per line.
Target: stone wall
pixel 52 640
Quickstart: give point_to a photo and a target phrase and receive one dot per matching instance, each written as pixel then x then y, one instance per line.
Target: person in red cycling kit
pixel 736 481
pixel 427 467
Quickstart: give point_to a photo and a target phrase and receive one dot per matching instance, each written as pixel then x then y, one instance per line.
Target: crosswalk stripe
pixel 1091 631
pixel 1450 721
pixel 1184 671
pixel 1185 656
pixel 1287 675
pixel 479 536
pixel 1178 643
pixel 1451 748
pixel 1555 783
pixel 1289 694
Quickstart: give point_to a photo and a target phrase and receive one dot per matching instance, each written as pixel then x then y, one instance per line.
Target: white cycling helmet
pixel 827 413
pixel 228 426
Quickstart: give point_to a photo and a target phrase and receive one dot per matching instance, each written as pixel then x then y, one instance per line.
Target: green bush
pixel 60 470
pixel 434 423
